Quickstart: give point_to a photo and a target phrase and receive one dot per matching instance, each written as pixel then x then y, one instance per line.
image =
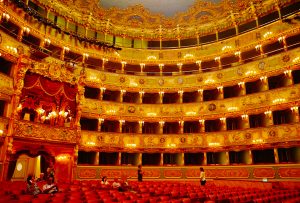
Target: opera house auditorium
pixel 172 101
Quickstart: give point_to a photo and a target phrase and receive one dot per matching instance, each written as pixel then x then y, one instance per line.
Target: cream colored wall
pixel 25 166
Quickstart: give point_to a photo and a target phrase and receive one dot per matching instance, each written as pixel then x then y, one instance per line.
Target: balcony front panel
pixel 6 87
pixel 286 97
pixel 238 139
pixel 41 132
pixel 250 172
pixel 244 72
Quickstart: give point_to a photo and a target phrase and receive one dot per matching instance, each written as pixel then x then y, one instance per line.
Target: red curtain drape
pixel 50 87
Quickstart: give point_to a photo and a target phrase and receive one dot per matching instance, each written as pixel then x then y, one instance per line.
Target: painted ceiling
pixel 167 8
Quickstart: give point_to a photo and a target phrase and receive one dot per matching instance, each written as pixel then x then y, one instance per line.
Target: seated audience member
pixel 32 187
pixel 50 187
pixel 104 181
pixel 116 184
pixel 41 178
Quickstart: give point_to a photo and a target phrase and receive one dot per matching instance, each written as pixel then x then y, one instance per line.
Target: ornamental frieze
pixel 31 130
pixel 91 140
pixel 281 98
pixel 243 72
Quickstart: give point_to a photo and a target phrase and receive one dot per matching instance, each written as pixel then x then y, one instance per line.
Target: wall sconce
pixel 12 49
pixel 6 16
pixel 181 122
pixel 40 111
pixel 63 114
pixel 278 100
pixel 280 39
pixel 294 109
pixel 268 113
pixel 223 119
pixel 201 121
pixel 241 84
pixel 151 58
pixel 171 145
pixel 142 64
pixel 232 108
pixel 209 81
pixel 188 56
pixel 217 58
pixel 122 122
pixel 90 143
pixel 141 93
pixel 131 145
pixel 220 88
pixel 296 60
pixel 226 48
pixel 66 49
pixel 180 91
pixel 179 64
pixel 101 120
pixel 161 122
pixel 102 89
pixel 267 34
pixel 123 63
pixel 141 123
pixel 237 53
pixel 214 144
pixel 123 91
pixel 263 78
pixel 287 72
pixel 257 141
pixel 47 42
pixel 26 30
pixel 85 55
pixel 244 116
pixel 190 113
pixel 62 157
pixel 198 62
pixel 151 114
pixel 1 132
pixel 258 47
pixel 161 93
pixel 200 91
pixel 52 114
pixel 250 72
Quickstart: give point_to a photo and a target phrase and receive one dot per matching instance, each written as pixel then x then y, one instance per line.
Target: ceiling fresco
pixel 167 8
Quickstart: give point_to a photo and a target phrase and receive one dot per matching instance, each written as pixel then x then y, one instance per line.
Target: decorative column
pixel 7 148
pixel 227 161
pixel 161 66
pixel 288 78
pixel 141 124
pixel 141 95
pixel 179 66
pixel 259 48
pixel 268 118
pixel 205 158
pixel 242 88
pixel 119 160
pixel 121 123
pixel 239 55
pixel 253 9
pixel 20 34
pixel 161 127
pixel 180 92
pixel 161 97
pixel 250 158
pixel 79 100
pixel 181 127
pixel 142 66
pixel 199 66
pixel 245 121
pixel 264 83
pixel 104 60
pixel 200 95
pixel 75 159
pixel 220 92
pixel 64 51
pixel 85 57
pixel 276 156
pixel 202 125
pixel 100 121
pixel 123 66
pixel 122 92
pixel 283 41
pixel 218 60
pixel 161 163
pixel 295 114
pixel 102 90
pixel 223 124
pixel 279 11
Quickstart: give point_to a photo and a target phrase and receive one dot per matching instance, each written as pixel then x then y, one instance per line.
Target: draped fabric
pixel 51 88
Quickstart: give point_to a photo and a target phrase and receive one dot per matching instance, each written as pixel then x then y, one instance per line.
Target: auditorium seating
pixel 149 192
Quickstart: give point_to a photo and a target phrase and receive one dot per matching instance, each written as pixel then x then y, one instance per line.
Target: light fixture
pixel 26 30
pixel 217 58
pixel 294 108
pixel 66 49
pixel 151 58
pixel 257 47
pixel 237 53
pixel 280 39
pixel 225 48
pixel 47 42
pixel 267 34
pixel 240 84
pixel 245 116
pixel 6 16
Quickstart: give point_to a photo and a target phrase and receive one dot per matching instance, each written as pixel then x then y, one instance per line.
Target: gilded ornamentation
pixel 261 65
pixel 180 80
pixel 44 132
pixel 142 81
pixel 161 82
pixel 212 107
pixel 264 173
pixel 286 58
pixel 220 75
pixel 122 79
pixel 289 172
pixel 131 109
pixel 86 173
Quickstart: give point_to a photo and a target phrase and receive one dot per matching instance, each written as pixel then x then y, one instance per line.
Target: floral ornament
pixel 261 65
pixel 161 82
pixel 100 139
pixel 286 58
pixel 220 75
pixel 272 134
pixel 131 109
pixel 200 79
pixel 122 79
pixel 180 80
pixel 182 140
pixel 248 136
pixel 162 140
pixel 142 81
pixel 239 72
pixel 102 77
pixel 212 107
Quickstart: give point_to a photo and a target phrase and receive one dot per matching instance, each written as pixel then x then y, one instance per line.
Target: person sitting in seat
pixel 104 181
pixel 116 184
pixel 32 187
pixel 50 187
